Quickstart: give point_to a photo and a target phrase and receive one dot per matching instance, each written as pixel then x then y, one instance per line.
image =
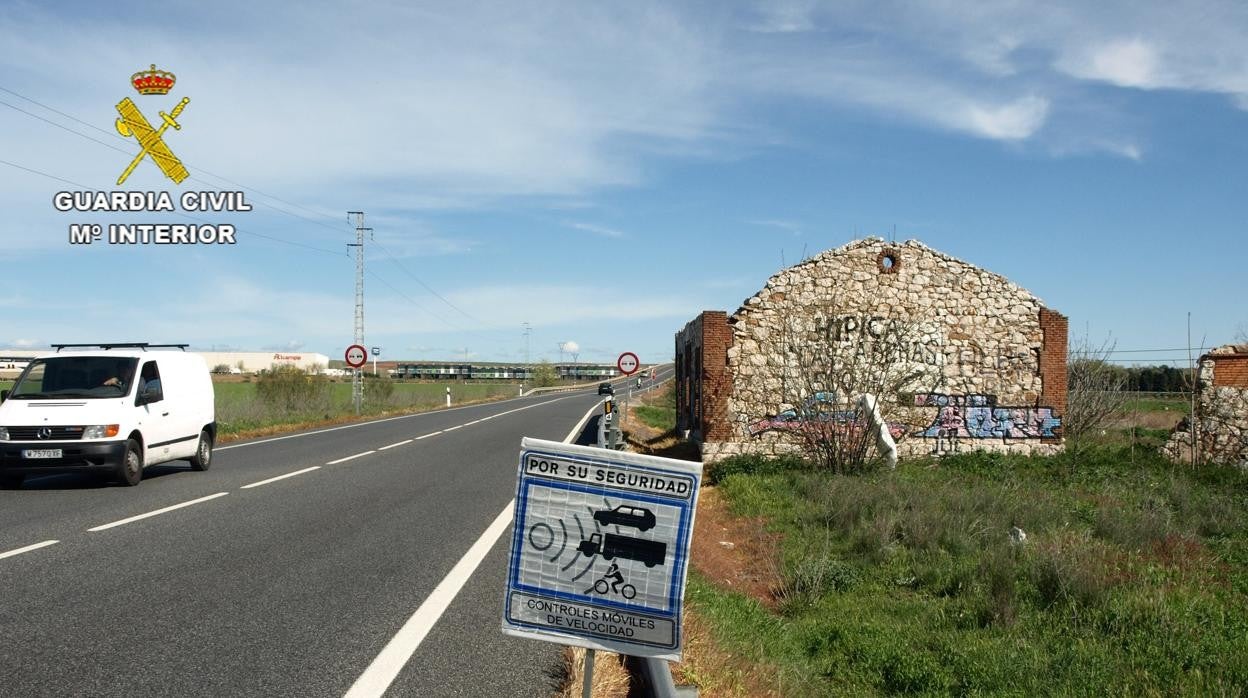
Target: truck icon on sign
pixel 624 515
pixel 647 552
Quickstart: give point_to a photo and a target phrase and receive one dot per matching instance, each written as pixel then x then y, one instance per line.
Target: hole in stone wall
pixel 889 262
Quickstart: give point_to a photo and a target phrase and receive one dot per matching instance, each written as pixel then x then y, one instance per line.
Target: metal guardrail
pixel 655 673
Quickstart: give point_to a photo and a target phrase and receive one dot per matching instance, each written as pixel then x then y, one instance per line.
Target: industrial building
pixel 12 361
pixel 448 370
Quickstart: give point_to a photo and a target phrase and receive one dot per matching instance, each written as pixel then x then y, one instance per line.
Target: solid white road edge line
pixel 150 514
pixel 344 460
pixel 404 441
pixel 28 548
pixel 280 477
pixel 395 655
pixel 387 665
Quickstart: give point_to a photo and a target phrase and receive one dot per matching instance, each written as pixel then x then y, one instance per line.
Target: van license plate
pixel 41 453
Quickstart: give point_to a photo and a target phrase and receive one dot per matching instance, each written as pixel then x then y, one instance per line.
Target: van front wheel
pixel 203 452
pixel 131 469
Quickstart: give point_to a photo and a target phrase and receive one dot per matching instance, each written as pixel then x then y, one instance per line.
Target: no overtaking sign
pixel 600 548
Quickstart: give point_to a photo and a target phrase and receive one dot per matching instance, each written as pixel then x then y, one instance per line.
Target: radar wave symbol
pixel 542 536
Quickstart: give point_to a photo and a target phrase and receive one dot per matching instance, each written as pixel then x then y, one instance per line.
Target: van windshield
pixel 93 377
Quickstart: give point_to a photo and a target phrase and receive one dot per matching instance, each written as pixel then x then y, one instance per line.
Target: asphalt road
pixel 282 586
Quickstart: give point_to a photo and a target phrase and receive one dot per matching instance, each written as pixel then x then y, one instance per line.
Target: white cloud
pixel 600 230
pixel 1012 121
pixel 1129 63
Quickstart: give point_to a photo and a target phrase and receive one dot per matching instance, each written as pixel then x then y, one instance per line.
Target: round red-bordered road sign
pixel 356 356
pixel 628 363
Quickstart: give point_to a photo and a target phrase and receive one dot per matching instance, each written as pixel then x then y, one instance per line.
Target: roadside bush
pixel 378 391
pixel 807 580
pixel 751 465
pixel 290 388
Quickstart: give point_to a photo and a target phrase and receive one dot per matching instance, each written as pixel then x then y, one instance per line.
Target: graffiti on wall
pixel 979 417
pixel 818 412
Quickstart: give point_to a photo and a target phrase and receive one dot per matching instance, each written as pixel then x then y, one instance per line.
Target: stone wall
pixel 974 361
pixel 1221 423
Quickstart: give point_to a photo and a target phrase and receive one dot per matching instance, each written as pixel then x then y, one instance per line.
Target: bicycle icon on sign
pixel 603 586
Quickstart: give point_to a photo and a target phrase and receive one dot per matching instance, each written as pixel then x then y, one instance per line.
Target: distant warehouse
pixel 14 360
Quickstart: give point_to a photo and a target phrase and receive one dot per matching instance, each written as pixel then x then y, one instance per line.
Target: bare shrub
pixel 836 369
pixel 1096 394
pixel 378 391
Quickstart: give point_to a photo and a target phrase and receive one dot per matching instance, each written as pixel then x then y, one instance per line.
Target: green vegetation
pixel 1132 579
pixel 243 407
pixel 659 413
pixel 289 398
pixel 544 375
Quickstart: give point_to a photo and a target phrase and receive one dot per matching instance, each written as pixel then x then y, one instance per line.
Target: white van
pixel 107 408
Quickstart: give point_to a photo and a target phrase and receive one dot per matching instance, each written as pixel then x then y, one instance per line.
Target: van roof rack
pixel 119 345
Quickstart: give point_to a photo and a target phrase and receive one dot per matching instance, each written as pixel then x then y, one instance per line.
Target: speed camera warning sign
pixel 600 548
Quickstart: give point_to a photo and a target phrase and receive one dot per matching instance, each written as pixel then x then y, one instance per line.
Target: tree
pixel 544 375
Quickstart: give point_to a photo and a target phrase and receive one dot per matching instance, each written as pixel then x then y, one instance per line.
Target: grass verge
pixel 1132 579
pixel 241 413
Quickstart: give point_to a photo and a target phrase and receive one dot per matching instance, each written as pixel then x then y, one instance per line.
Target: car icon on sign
pixel 624 515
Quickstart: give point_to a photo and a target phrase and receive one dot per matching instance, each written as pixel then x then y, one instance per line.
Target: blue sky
pixel 606 171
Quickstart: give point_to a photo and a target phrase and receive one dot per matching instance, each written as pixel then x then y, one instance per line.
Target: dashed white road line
pixel 452 428
pixel 418 438
pixel 404 441
pixel 344 460
pixel 158 512
pixel 28 548
pixel 280 477
pixel 386 666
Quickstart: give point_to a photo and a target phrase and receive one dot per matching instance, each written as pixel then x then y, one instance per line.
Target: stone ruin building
pixel 1219 431
pixel 980 362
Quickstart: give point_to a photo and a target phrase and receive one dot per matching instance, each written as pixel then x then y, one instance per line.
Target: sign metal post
pixel 356 356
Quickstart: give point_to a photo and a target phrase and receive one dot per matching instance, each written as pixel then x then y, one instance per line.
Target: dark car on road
pixel 624 515
pixel 605 389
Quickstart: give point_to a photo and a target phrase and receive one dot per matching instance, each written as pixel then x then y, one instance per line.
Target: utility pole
pixel 527 329
pixel 357 379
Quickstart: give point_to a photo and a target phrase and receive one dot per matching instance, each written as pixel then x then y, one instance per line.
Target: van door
pixel 159 422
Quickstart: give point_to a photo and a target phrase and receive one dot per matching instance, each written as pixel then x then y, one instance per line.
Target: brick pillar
pixel 1053 359
pixel 1230 370
pixel 716 383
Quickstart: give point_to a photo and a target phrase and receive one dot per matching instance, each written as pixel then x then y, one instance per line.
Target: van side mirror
pixel 4 395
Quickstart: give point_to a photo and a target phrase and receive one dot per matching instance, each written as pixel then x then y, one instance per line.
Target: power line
pixel 426 286
pixel 64 127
